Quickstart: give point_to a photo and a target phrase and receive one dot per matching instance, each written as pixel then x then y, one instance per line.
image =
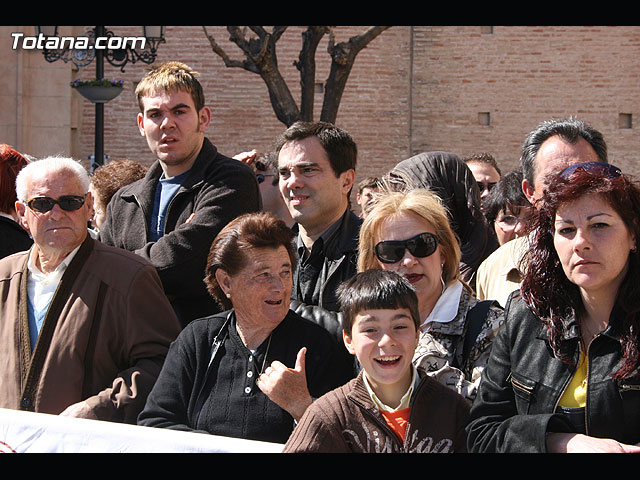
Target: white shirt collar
pixel 446 308
pixel 39 275
pixel 41 287
pixel 404 402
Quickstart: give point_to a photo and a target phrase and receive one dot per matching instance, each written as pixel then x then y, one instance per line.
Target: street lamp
pixel 111 49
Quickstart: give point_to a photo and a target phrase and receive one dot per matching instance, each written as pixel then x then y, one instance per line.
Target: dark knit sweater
pixel 233 405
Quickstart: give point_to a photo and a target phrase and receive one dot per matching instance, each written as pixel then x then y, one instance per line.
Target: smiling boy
pixel 391 406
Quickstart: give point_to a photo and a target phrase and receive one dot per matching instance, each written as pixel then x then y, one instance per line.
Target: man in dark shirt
pixel 316 166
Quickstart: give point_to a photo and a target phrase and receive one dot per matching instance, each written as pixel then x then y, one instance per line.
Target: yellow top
pixel 575 395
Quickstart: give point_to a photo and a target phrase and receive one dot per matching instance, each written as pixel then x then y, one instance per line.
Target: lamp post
pixel 120 55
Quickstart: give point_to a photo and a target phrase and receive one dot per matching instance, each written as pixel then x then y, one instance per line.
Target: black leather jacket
pixel 339 264
pixel 523 383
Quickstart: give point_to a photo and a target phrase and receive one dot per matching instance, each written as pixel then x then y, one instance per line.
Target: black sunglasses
pixel 392 251
pixel 595 168
pixel 488 186
pixel 68 203
pixel 261 176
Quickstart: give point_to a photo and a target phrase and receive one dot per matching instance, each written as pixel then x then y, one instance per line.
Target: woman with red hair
pixel 563 374
pixel 14 237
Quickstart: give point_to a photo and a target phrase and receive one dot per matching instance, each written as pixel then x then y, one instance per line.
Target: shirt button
pixel 247 390
pixel 26 402
pixel 249 374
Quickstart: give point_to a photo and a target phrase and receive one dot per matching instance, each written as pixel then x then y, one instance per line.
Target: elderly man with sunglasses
pixel 85 327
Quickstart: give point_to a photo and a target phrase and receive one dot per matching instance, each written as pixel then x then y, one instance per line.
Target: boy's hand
pixel 287 387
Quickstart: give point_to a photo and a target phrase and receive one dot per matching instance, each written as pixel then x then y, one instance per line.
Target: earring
pixel 228 295
pixel 444 286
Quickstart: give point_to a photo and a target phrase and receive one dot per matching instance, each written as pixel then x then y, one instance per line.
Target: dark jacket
pixel 217 190
pixel 14 237
pixel 347 421
pixel 226 401
pixel 340 263
pixel 523 382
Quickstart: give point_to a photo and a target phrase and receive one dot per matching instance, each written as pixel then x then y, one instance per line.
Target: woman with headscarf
pixel 451 179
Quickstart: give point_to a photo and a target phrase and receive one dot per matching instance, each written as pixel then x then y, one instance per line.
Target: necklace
pixel 264 360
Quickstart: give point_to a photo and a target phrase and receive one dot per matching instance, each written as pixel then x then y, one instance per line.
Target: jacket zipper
pixel 626 388
pixel 518 384
pixel 564 387
pixel 586 395
pixel 380 421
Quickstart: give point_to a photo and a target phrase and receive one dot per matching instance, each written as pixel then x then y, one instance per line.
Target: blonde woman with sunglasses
pixel 410 233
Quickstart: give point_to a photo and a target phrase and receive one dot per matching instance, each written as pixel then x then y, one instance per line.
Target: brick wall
pixel 413 89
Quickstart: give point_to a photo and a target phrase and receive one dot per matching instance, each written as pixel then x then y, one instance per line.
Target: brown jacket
pixel 346 420
pixel 104 338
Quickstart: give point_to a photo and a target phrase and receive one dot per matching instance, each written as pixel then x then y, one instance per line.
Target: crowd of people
pixel 456 309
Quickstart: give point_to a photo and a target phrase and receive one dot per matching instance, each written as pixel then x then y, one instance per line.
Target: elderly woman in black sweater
pixel 250 371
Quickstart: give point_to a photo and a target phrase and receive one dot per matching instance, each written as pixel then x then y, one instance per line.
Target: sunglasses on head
pixel 68 203
pixel 596 168
pixel 261 176
pixel 392 251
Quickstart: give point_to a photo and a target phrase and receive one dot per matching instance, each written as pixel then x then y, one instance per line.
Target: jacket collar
pixel 360 394
pixel 571 327
pixel 346 239
pixel 339 242
pixel 145 188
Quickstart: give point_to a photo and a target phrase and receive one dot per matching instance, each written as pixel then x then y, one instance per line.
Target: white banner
pixel 27 432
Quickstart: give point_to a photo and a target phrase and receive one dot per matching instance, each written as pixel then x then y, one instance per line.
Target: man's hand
pixel 247 157
pixel 287 387
pixel 79 410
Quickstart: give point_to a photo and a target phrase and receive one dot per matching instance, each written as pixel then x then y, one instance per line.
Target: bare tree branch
pixel 222 54
pixel 260 57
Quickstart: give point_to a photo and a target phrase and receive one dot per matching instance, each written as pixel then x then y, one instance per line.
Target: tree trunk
pixel 343 56
pixel 307 67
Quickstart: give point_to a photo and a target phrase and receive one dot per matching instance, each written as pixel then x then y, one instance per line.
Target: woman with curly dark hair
pixel 563 372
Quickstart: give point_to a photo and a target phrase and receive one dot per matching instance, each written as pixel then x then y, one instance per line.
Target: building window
pixel 486 30
pixel 319 88
pixel 484 118
pixel 624 120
